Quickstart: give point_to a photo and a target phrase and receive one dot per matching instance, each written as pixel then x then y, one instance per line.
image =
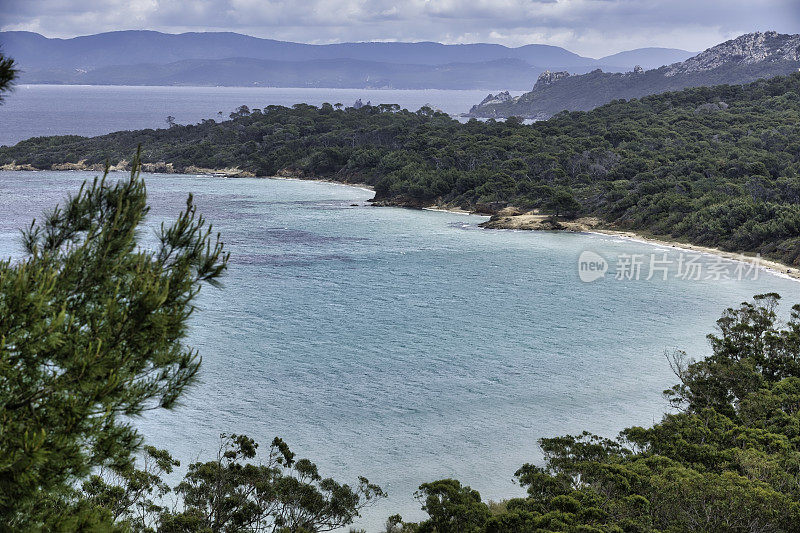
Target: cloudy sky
pixel 590 27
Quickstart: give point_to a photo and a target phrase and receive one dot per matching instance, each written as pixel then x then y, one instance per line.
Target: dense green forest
pixel 716 166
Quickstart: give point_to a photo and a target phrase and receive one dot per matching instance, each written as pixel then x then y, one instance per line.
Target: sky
pixel 592 28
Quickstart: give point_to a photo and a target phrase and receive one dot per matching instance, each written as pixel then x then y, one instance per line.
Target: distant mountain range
pixel 741 60
pixel 231 59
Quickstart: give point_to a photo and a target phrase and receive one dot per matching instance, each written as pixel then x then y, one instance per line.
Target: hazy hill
pixel 334 73
pixel 740 60
pixel 135 46
pixel 647 57
pixel 149 57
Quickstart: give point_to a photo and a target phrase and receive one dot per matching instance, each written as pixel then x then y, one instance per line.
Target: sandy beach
pixel 513 219
pixel 773 267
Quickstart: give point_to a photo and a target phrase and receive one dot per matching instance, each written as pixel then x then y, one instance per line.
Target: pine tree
pixel 92 331
pixel 8 73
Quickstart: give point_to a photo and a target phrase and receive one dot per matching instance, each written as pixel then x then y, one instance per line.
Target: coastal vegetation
pixel 725 459
pixel 92 331
pixel 714 166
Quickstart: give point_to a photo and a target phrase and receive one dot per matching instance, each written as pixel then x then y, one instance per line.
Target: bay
pixel 403 345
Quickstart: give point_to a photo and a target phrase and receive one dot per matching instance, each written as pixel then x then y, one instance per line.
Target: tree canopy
pixel 8 73
pixel 234 492
pixel 93 329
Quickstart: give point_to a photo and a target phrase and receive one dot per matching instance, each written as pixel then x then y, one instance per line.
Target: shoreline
pixel 594 226
pixel 506 219
pixel 124 166
pixel 362 186
pixel 512 219
pixel 775 268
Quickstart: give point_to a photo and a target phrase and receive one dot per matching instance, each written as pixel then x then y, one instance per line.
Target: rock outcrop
pixel 744 50
pixel 513 218
pixel 548 78
pixel 498 99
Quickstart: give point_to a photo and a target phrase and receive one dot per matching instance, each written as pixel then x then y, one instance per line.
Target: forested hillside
pixel 716 166
pixel 584 92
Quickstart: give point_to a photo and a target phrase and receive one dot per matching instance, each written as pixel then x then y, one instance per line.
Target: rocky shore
pixel 513 218
pixel 159 168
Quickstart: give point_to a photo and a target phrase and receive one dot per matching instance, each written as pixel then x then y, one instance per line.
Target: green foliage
pixel 8 73
pixel 451 507
pixel 91 333
pixel 229 494
pixel 728 461
pixel 283 494
pixel 129 496
pixel 726 177
pixel 562 202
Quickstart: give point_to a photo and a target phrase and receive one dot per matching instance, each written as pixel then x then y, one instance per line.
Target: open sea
pixel 409 346
pixel 36 110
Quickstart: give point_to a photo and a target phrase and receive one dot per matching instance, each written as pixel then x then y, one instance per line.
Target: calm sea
pixel 36 110
pixel 409 346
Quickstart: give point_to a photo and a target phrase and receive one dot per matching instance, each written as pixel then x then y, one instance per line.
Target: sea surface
pixel 38 110
pixel 409 346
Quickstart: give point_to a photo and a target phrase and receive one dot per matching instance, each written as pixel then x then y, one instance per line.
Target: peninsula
pixel 709 166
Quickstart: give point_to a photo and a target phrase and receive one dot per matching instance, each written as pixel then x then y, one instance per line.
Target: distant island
pixel 741 60
pixel 231 59
pixel 712 166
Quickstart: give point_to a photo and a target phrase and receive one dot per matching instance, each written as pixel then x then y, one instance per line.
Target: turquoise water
pixel 405 345
pixel 36 110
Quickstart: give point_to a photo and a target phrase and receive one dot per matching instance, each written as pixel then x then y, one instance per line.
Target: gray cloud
pixel 589 27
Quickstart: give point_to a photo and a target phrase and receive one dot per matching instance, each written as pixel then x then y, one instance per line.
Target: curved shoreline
pixel 124 166
pixel 510 220
pixel 775 268
pixel 593 226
